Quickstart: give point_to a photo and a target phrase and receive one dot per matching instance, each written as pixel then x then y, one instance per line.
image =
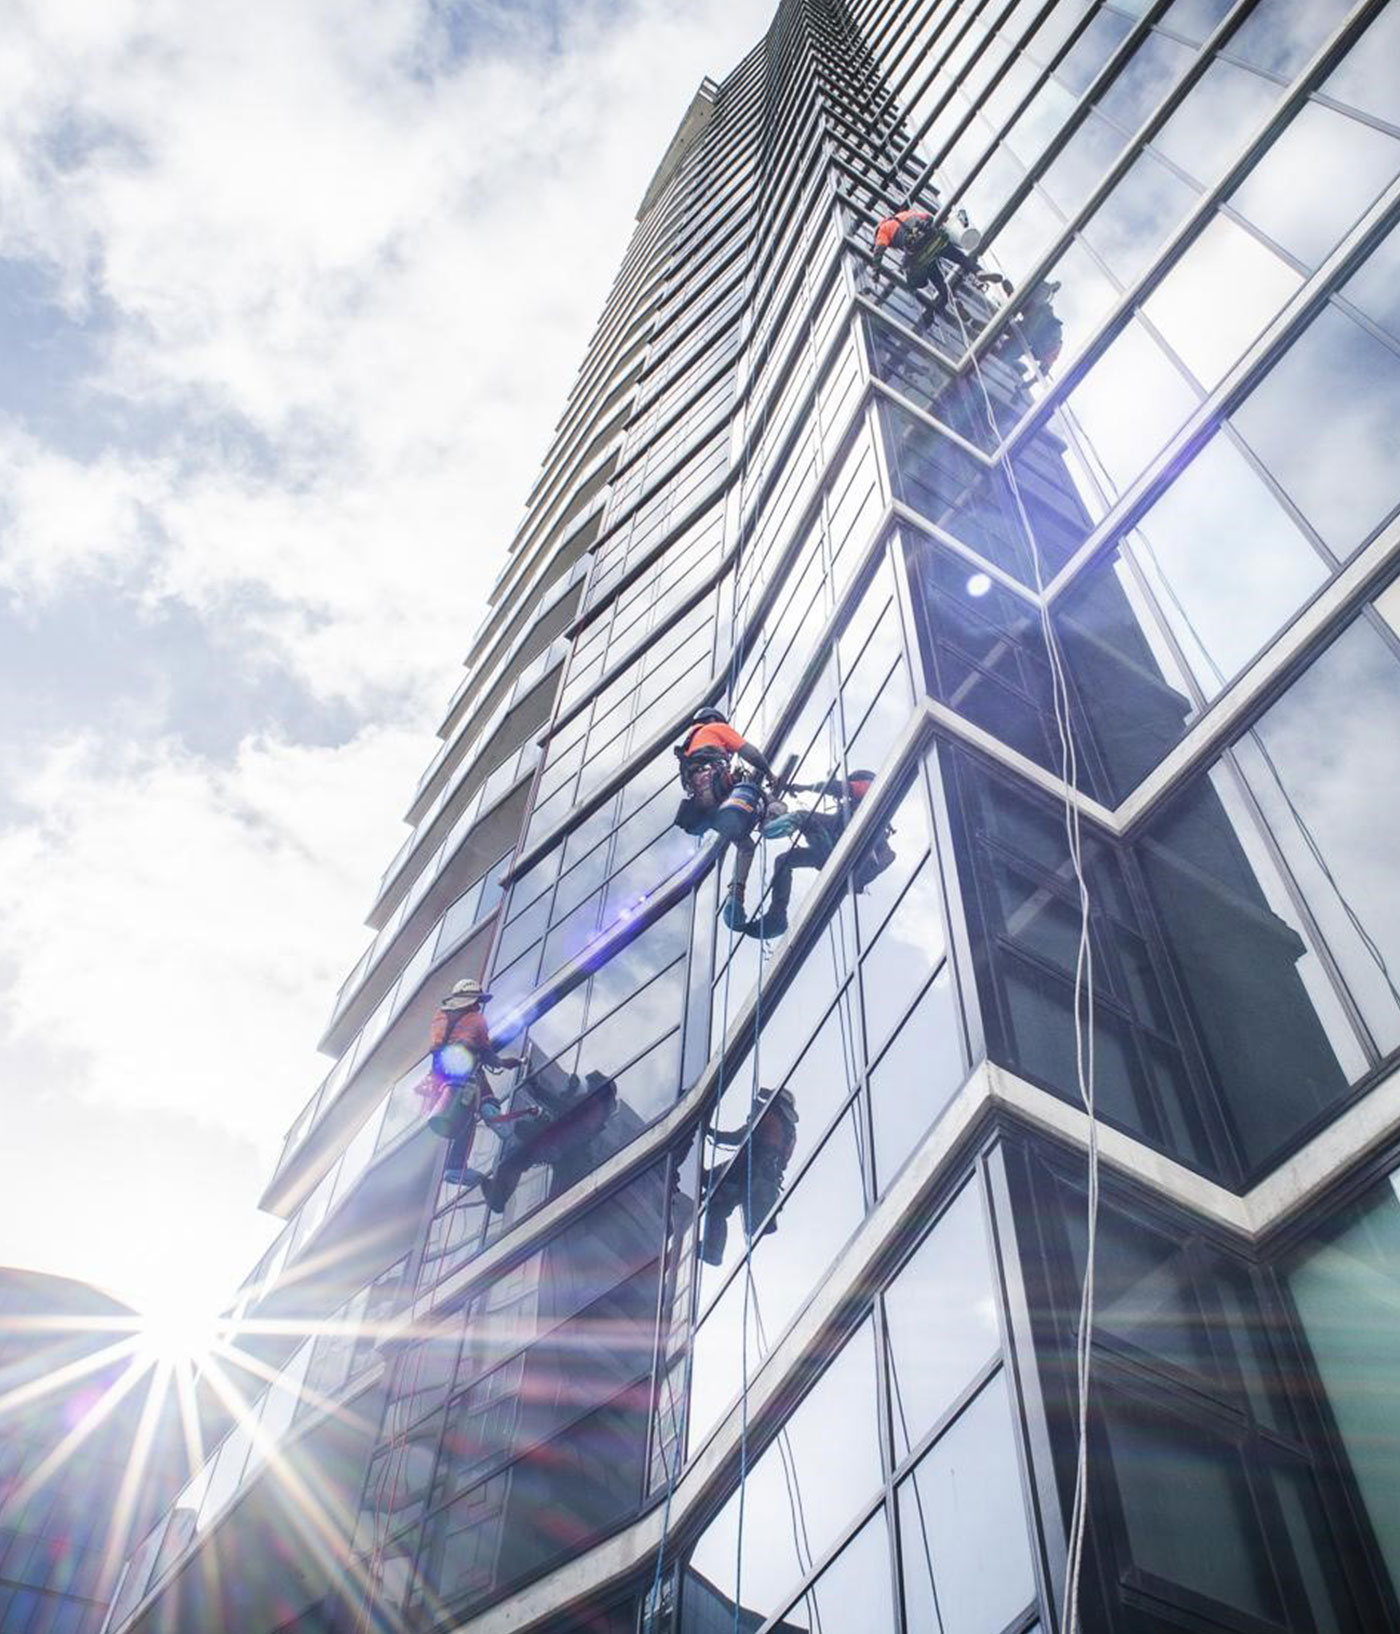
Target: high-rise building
pixel 773 1320
pixel 91 1450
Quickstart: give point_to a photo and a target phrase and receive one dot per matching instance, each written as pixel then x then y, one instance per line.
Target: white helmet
pixel 465 993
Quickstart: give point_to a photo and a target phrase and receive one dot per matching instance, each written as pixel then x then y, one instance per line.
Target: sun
pixel 177 1329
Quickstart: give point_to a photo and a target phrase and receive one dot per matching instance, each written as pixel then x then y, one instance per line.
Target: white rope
pixel 1083 1009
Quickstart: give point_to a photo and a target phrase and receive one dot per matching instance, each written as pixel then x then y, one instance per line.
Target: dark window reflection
pixel 545 1449
pixel 1208 1500
pixel 1315 763
pixel 1270 1026
pixel 984 654
pixel 976 504
pixel 1346 1286
pixel 1027 926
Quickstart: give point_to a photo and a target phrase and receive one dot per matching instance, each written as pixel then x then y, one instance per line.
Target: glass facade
pixel 768 1318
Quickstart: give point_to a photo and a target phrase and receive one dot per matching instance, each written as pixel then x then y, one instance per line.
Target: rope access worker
pixel 456 1085
pixel 819 831
pixel 713 799
pixel 773 1127
pixel 1041 328
pixel 922 245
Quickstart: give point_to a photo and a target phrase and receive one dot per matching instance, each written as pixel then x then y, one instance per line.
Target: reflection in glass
pixel 1138 217
pixel 1268 1021
pixel 1375 288
pixel 910 947
pixel 1346 1286
pixel 960 1510
pixel 916 1077
pixel 941 1320
pixel 1132 370
pixel 1316 181
pixel 1337 461
pixel 799 1495
pixel 976 504
pixel 1139 88
pixel 854 1594
pixel 1316 763
pixel 545 1438
pixel 1218 297
pixel 1366 78
pixel 1187 1509
pixel 1280 35
pixel 1227 564
pixel 1209 127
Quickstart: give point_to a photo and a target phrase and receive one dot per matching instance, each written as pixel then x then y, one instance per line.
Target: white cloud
pixel 336 263
pixel 313 223
pixel 181 928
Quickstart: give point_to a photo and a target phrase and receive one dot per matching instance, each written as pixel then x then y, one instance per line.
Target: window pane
pixel 1209 128
pixel 1270 1025
pixel 1366 77
pixel 905 953
pixel 1218 297
pixel 960 1510
pixel 1138 217
pixel 916 1077
pixel 1316 763
pixel 1337 461
pixel 853 1595
pixel 799 1495
pixel 1227 564
pixel 1376 287
pixel 1132 370
pixel 1316 181
pixel 941 1317
pixel 1347 1289
pixel 1187 1510
pixel 1280 35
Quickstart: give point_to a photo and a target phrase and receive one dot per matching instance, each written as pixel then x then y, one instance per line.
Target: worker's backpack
pixel 707 780
pixel 876 859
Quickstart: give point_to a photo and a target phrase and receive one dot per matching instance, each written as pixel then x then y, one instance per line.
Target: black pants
pixel 755 1196
pixel 820 832
pixel 919 272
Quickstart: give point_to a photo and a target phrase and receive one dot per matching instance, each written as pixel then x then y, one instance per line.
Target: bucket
pixel 734 818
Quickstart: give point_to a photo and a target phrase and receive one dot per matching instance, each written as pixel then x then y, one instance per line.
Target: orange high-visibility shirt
pixel 714 735
pixel 889 227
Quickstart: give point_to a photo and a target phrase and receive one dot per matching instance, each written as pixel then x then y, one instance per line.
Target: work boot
pixel 733 911
pixel 772 922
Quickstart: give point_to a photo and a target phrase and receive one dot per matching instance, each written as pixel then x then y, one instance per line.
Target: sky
pixel 291 295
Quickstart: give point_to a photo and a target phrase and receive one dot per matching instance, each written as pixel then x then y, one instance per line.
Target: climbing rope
pixel 1083 1002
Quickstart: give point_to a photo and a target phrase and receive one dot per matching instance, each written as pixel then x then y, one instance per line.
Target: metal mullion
pixel 733 1276
pixel 775 1623
pixel 1248 372
pixel 1120 57
pixel 1321 947
pixel 1186 233
pixel 1017 49
pixel 974 15
pixel 913 23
